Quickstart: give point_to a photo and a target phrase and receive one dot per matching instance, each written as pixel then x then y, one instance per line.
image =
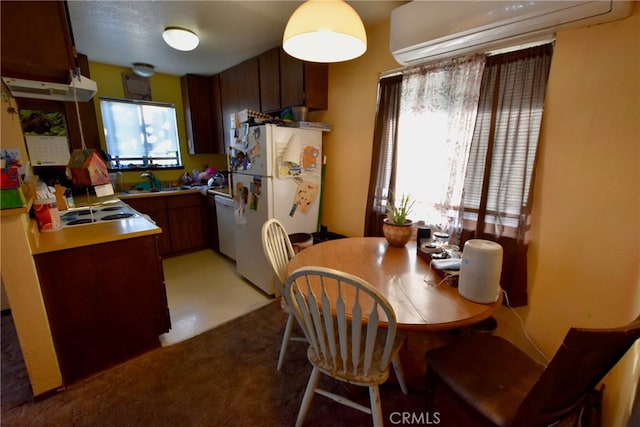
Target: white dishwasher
pixel 226 226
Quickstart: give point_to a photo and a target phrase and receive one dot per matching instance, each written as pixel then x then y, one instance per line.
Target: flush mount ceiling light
pixel 143 70
pixel 325 31
pixel 180 38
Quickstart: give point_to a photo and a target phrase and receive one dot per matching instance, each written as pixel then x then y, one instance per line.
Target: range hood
pixel 85 88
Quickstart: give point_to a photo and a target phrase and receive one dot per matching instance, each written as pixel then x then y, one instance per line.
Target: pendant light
pixel 325 31
pixel 180 38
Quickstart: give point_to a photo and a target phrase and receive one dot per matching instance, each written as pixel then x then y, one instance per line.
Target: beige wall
pixel 586 226
pixel 20 279
pixel 353 88
pixel 586 223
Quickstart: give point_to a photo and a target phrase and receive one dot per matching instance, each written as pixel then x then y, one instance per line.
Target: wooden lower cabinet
pixel 181 218
pixel 186 219
pixel 105 303
pixel 156 208
pixel 211 222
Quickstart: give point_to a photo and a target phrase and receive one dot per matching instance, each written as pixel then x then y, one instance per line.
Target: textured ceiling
pixel 124 32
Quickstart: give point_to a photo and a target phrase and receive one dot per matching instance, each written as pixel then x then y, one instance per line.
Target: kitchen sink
pixel 160 190
pixel 157 190
pixel 151 190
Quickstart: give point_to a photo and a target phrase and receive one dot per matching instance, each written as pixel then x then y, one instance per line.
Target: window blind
pixel 503 149
pixel 140 133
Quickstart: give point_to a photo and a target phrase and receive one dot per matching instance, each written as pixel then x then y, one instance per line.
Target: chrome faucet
pixel 151 176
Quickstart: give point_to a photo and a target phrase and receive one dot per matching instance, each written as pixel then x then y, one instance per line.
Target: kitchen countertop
pixel 89 234
pixel 173 191
pixel 102 232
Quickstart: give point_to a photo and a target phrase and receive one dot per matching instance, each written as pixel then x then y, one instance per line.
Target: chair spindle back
pixel 344 335
pixel 277 249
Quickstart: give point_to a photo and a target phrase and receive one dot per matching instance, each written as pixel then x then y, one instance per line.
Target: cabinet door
pixel 196 101
pixel 211 223
pixel 186 219
pixel 161 218
pixel 316 85
pixel 36 41
pixel 269 63
pixel 239 89
pixel 105 303
pixel 216 115
pixel 303 83
pixel 156 208
pixel 291 80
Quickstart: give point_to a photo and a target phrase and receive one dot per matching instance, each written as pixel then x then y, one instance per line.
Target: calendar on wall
pixel 48 150
pixel 45 133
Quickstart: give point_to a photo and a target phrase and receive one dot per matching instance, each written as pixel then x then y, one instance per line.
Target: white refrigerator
pixel 276 173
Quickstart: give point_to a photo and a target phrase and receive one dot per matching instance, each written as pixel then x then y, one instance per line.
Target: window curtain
pixel 437 115
pixel 496 204
pixel 430 111
pixel 385 133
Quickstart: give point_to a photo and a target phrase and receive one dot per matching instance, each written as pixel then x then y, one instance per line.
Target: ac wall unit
pixel 425 31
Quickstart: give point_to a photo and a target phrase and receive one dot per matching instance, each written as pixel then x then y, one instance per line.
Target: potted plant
pixel 396 227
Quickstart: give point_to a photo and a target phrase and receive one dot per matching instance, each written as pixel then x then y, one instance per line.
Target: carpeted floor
pixel 16 389
pixel 223 377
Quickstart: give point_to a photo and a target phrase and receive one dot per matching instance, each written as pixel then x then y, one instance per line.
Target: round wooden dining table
pixel 423 298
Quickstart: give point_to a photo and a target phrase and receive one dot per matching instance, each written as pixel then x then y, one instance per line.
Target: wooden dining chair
pixel 278 250
pixel 340 315
pixel 501 385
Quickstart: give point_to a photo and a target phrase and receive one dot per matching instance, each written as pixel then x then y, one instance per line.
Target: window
pixel 437 114
pixel 499 175
pixel 472 133
pixel 140 134
pixel 463 143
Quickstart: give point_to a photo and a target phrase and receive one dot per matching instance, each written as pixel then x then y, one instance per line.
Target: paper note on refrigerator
pixel 255 193
pixel 292 151
pixel 306 193
pixel 239 203
pixel 310 158
pixel 289 158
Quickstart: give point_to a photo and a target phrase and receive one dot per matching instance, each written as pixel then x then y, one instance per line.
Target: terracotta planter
pixel 397 234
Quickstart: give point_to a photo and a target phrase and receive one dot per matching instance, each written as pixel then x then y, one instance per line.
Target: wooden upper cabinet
pixel 316 85
pixel 288 82
pixel 271 82
pixel 216 115
pixel 36 41
pixel 239 90
pixel 199 99
pixel 291 80
pixel 269 63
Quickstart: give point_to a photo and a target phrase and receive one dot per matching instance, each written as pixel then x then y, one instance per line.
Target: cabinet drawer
pixel 184 201
pixel 148 204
